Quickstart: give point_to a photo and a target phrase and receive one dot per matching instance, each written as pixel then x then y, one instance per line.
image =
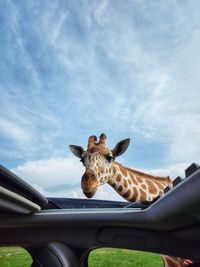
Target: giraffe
pixel 131 184
pixel 102 168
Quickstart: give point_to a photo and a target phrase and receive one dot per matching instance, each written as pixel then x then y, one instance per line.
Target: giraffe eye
pixel 109 158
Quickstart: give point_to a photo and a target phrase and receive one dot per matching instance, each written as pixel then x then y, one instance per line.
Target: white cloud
pixel 51 172
pixel 106 192
pixel 75 193
pixel 172 170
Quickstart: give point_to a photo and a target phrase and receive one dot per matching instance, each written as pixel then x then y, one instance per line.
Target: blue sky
pixel 70 69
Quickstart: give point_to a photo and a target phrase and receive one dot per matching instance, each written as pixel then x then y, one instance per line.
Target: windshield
pixel 73 69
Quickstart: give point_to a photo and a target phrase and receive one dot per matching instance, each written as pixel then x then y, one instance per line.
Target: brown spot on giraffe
pixel 134 179
pixel 127 194
pixel 114 170
pixel 144 186
pixel 143 195
pixel 152 188
pixel 124 172
pixel 129 181
pixel 160 186
pixel 120 188
pixel 134 198
pixel 118 179
pixel 139 179
pixel 101 169
pixel 125 183
pixel 114 185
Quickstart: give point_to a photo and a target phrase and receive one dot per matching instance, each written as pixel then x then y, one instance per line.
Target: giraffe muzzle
pixel 89 184
pixel 90 194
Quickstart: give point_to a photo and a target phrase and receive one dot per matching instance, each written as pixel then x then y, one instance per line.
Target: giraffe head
pixel 97 159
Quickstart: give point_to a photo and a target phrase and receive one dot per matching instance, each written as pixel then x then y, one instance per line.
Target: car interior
pixel 62 232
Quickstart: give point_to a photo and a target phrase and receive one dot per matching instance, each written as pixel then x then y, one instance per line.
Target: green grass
pixel 109 257
pixel 104 257
pixel 14 257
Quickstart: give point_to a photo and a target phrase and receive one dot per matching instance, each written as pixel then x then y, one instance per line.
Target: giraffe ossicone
pixel 101 168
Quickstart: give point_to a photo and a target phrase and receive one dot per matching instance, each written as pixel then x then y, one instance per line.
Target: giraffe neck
pixel 136 186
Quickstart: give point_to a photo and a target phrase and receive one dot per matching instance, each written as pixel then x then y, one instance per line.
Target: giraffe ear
pixel 120 147
pixel 76 150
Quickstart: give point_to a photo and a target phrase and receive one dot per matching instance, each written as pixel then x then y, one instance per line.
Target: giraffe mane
pixel 142 174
